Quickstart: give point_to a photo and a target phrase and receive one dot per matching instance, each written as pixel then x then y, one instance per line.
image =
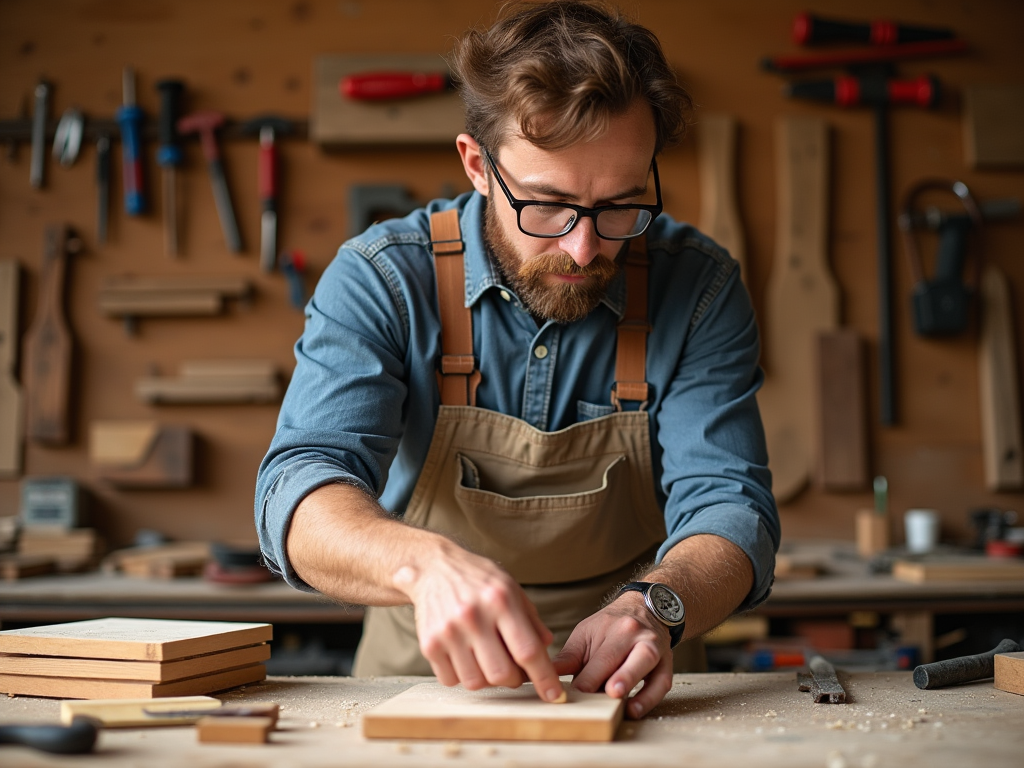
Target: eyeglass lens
pixel 555 220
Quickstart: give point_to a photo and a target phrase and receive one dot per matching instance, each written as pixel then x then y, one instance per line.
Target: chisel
pixel 268 127
pixel 129 118
pixel 42 107
pixel 169 156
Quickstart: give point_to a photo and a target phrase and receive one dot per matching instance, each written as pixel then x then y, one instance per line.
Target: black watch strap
pixel 675 631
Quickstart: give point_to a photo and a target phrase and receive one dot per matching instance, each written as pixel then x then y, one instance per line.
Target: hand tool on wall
pixel 874 85
pixel 965 669
pixel 102 187
pixel 78 738
pixel 874 90
pixel 369 203
pixel 169 157
pixel 214 381
pixel 339 120
pixel 11 398
pixel 802 300
pixel 293 265
pixel 940 303
pixel 809 29
pixel 268 128
pixel 822 682
pixel 716 157
pixel 206 124
pixel 48 346
pixel 37 169
pixel 384 86
pixel 129 118
pixel 67 139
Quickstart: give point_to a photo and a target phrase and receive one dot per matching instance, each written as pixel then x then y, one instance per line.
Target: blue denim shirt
pixel 363 400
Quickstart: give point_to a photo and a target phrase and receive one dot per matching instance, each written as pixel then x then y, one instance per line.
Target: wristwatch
pixel 664 603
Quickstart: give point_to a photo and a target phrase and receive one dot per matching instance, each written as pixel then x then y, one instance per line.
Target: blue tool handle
pixel 129 117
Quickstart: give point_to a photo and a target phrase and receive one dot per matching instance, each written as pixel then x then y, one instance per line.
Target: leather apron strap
pixel 631 350
pixel 458 376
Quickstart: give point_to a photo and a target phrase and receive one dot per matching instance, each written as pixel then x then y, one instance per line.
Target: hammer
pixel 965 669
pixel 205 123
pixel 268 126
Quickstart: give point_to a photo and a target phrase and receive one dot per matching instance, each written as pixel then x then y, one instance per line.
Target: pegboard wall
pixel 256 57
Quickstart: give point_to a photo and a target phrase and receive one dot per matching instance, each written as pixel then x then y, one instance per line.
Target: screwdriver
pixel 129 117
pixel 168 156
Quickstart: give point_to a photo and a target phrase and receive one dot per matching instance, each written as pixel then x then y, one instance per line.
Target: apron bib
pixel 571 515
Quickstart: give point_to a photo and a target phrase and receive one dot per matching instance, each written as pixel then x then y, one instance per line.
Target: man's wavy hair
pixel 558 71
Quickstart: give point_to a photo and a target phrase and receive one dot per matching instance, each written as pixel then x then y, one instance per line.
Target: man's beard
pixel 563 302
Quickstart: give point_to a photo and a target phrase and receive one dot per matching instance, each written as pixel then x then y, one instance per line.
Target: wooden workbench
pixel 717 720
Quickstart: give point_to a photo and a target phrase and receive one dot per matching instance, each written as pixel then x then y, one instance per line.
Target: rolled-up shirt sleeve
pixel 715 473
pixel 342 415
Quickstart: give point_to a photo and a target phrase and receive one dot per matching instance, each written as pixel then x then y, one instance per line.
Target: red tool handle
pixel 267 171
pixel 922 91
pixel 379 86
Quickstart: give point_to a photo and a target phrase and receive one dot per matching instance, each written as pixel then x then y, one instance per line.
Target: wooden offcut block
pixel 234 730
pixel 81 688
pixel 1010 672
pixel 993 115
pixel 14 567
pixel 148 671
pixel 433 711
pixel 959 568
pixel 872 533
pixel 142 454
pixel 138 639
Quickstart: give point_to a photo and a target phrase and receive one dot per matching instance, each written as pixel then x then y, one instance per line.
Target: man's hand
pixel 476 626
pixel 618 647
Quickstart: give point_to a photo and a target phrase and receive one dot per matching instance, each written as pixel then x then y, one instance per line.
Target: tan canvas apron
pixel 569 514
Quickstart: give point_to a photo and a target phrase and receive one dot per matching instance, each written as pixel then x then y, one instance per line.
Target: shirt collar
pixel 481 272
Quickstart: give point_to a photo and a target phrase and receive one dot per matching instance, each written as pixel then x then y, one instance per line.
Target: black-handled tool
pixel 965 669
pixel 78 738
pixel 37 168
pixel 169 157
pixel 102 187
pixel 809 29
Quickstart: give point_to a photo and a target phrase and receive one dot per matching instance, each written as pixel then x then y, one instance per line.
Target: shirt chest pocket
pixel 588 411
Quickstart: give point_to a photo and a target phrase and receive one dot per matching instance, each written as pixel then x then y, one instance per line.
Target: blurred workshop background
pixel 145 345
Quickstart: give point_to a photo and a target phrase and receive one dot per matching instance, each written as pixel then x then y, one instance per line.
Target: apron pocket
pixel 546 525
pixel 589 411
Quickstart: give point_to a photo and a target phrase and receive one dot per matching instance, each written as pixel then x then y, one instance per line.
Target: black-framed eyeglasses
pixel 538 218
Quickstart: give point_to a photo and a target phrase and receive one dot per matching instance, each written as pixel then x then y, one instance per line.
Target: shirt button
pixel 505 296
pixel 540 352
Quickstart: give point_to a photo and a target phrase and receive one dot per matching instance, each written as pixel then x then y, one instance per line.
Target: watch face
pixel 667 604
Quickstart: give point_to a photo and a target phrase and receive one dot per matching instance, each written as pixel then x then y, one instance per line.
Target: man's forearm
pixel 342 543
pixel 712 576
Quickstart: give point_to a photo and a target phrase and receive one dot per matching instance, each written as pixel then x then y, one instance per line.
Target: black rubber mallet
pixel 965 669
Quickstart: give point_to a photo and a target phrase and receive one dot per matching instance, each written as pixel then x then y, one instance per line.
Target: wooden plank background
pixel 254 56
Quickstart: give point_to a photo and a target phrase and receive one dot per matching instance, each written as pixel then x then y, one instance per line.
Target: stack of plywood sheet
pixel 132 658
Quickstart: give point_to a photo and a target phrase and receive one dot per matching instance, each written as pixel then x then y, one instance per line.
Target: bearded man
pixel 522 428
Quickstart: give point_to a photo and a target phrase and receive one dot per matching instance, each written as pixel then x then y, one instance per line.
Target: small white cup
pixel 922 527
